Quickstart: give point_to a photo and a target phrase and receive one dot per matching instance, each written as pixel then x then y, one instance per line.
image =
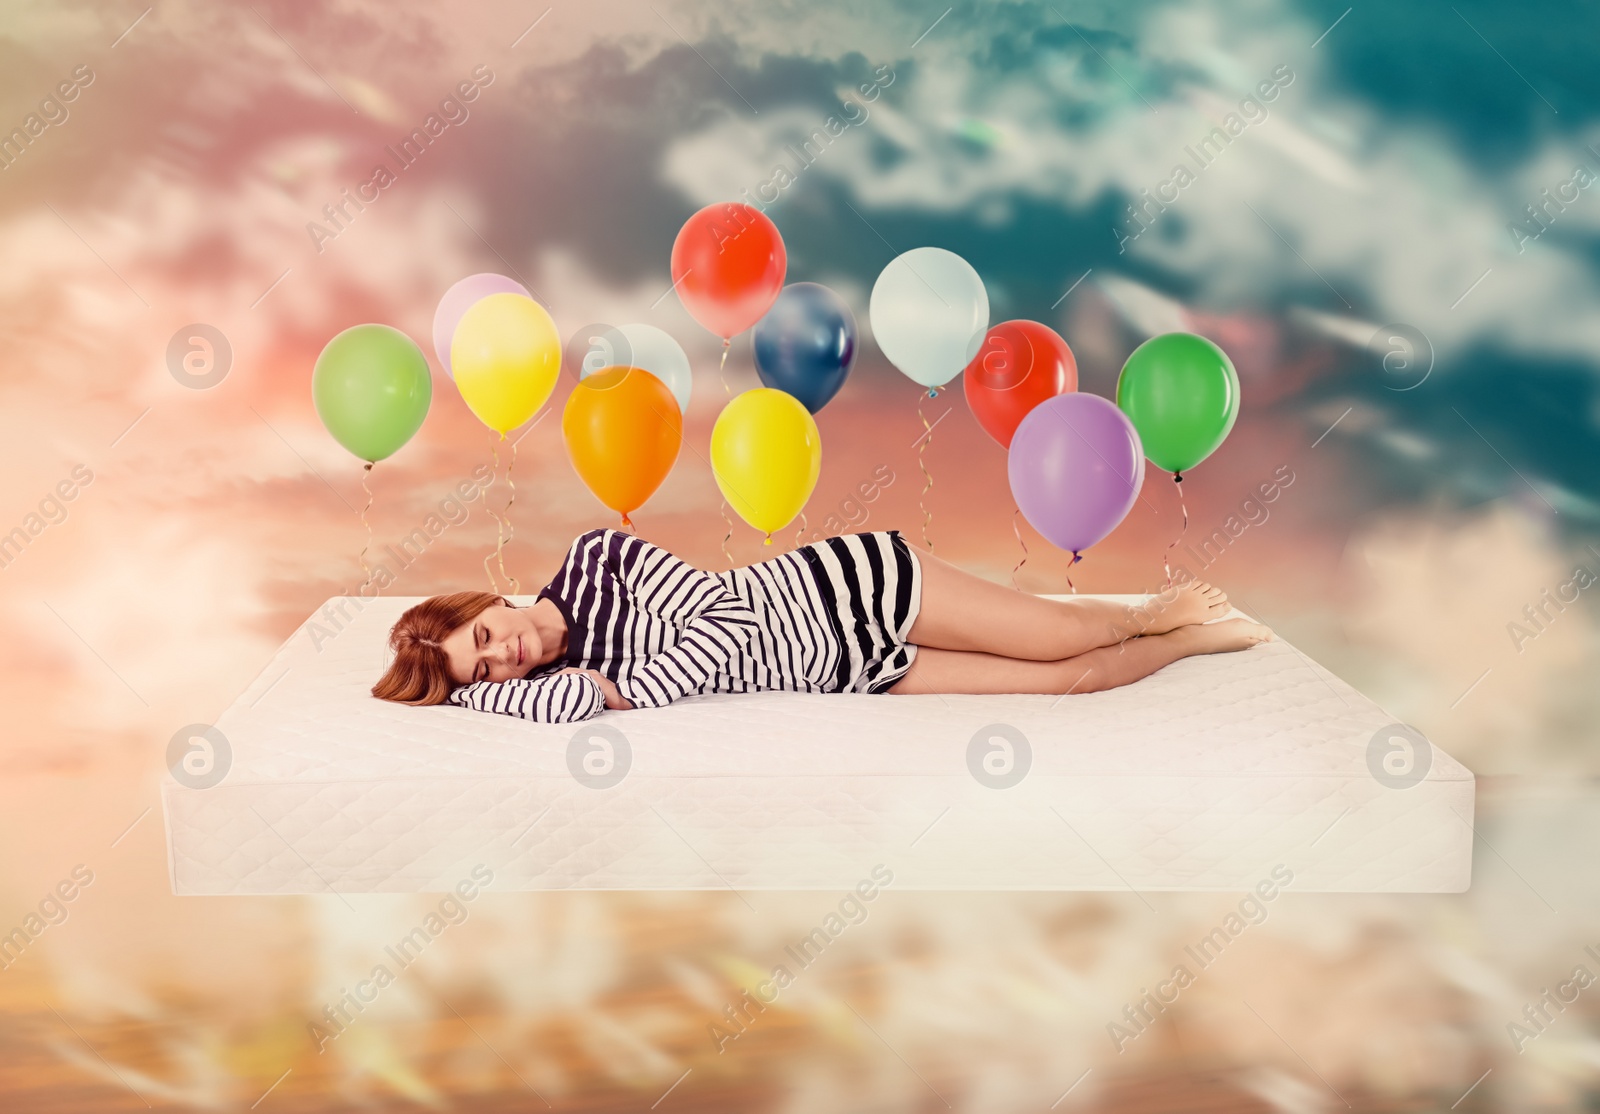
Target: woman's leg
pixel 961 611
pixel 962 671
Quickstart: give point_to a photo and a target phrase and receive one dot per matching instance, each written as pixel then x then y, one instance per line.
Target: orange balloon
pixel 623 430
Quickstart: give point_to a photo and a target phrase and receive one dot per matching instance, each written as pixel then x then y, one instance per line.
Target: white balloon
pixel 929 314
pixel 642 346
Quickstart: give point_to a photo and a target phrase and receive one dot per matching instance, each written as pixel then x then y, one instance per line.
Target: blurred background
pixel 1428 172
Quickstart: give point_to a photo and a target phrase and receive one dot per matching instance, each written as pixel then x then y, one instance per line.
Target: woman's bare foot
pixel 1180 606
pixel 1222 637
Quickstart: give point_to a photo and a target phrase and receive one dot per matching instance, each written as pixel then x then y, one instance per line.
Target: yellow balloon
pixel 766 454
pixel 506 355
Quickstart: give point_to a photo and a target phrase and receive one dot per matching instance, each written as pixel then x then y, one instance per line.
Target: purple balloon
pixel 460 298
pixel 1076 466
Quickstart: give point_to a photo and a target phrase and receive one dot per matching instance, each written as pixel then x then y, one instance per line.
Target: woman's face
pixel 499 644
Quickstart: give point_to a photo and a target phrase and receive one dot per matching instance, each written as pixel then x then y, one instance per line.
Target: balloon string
pixel 798 534
pixel 366 575
pixel 1075 559
pixel 725 346
pixel 922 447
pixel 1166 558
pixel 725 551
pixel 494 452
pixel 510 529
pixel 1017 530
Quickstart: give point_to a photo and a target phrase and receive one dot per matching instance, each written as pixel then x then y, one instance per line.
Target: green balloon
pixel 1182 395
pixel 372 389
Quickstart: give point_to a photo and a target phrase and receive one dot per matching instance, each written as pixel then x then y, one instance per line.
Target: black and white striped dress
pixel 831 616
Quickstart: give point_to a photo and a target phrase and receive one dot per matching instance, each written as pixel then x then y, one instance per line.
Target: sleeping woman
pixel 625 624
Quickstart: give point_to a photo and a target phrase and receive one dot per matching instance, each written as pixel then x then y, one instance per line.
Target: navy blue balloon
pixel 806 344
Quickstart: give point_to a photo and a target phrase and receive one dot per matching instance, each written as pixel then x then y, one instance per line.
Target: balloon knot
pixel 367 467
pixel 933 392
pixel 767 540
pixel 1076 557
pixel 1177 477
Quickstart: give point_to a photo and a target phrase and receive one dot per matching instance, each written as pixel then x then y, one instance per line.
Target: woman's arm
pixel 608 688
pixel 562 697
pixel 714 624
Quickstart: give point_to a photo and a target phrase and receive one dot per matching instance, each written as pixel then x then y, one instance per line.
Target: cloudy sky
pixel 1428 172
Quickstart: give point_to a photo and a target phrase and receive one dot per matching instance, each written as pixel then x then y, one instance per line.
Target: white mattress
pixel 1202 777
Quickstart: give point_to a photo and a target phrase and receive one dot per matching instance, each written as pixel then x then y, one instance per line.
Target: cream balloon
pixel 929 313
pixel 641 346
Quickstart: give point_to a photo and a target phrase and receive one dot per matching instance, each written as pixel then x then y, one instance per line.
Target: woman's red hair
pixel 420 672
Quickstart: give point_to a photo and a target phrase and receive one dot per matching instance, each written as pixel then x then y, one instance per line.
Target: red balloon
pixel 1020 364
pixel 728 264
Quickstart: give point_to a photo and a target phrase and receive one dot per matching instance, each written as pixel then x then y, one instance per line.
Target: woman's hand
pixel 615 701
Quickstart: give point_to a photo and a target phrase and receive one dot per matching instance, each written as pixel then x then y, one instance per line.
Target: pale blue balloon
pixel 641 346
pixel 929 314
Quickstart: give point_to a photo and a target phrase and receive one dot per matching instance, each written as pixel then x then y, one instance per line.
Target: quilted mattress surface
pixel 1204 776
